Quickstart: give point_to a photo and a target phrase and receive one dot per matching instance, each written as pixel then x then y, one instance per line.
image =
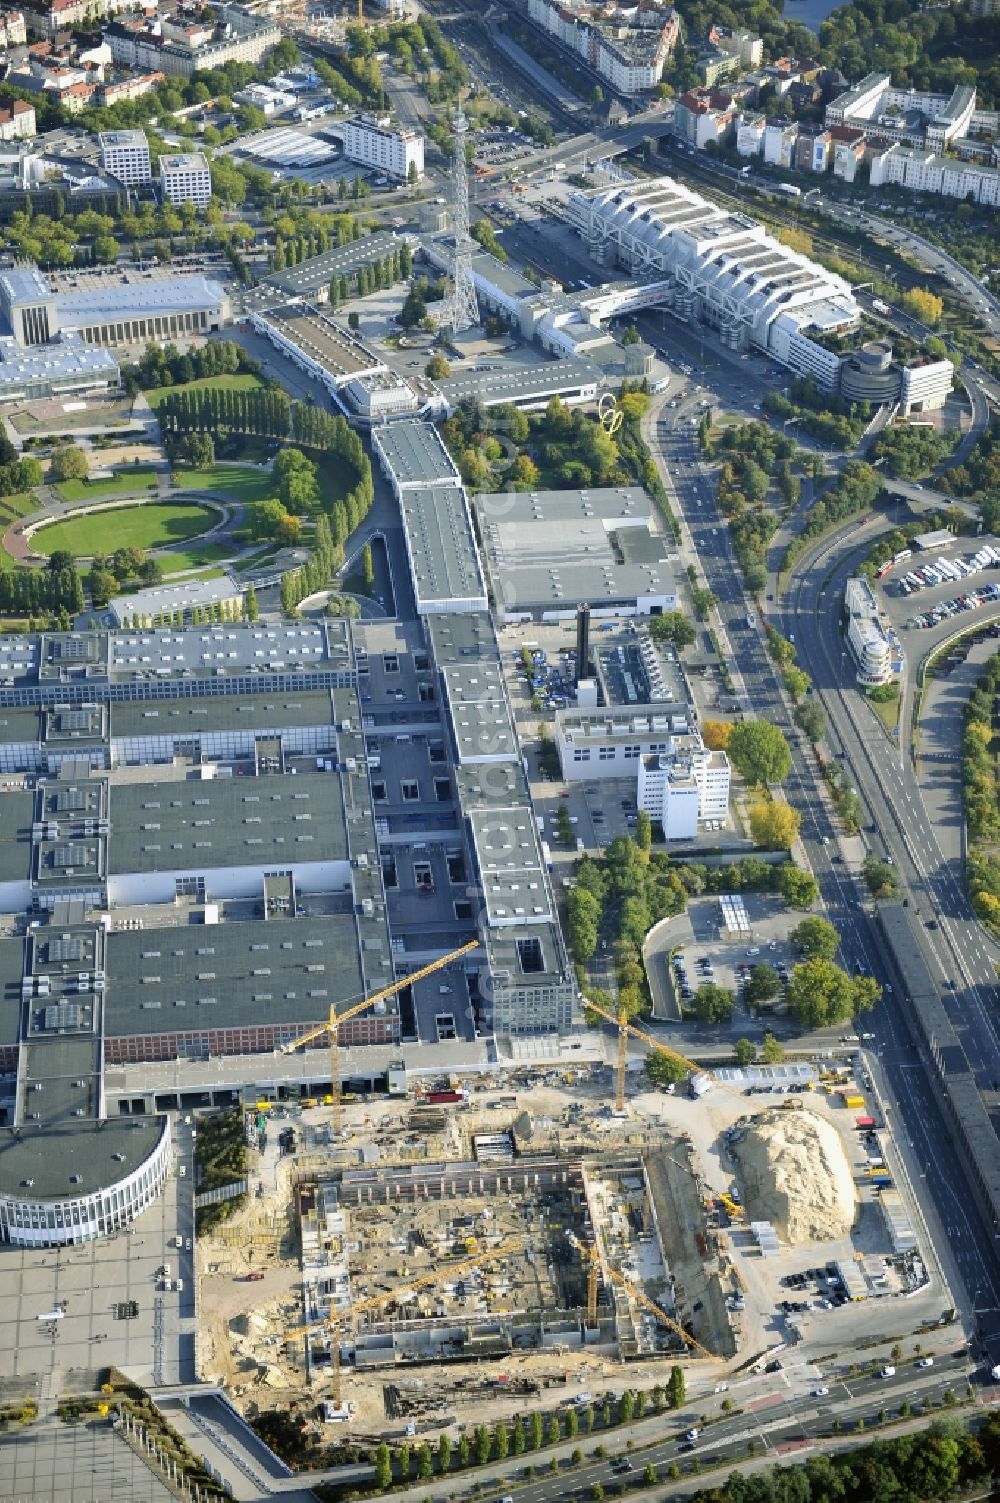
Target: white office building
pixel 866 634
pixel 186 178
pixel 374 142
pixel 125 155
pixel 683 787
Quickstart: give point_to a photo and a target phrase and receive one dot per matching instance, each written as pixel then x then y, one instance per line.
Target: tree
pixel 383 1467
pixel 811 719
pixel 764 984
pixel 672 626
pixel 716 734
pixel 501 1440
pixel 412 175
pixel 535 1431
pixel 106 248
pixel 880 876
pixel 464 1446
pixel 820 994
pixel 771 1052
pixel 643 830
pixel 425 1461
pixel 816 938
pixel 517 1437
pixel 354 321
pixel 744 1052
pixel 712 1004
pixel 60 558
pixel 413 311
pixel 663 1069
pixel 69 463
pixel 773 825
pixel 759 752
pixel 676 1387
pixel 251 611
pixel 444 1453
pixel 572 1424
pixel 437 368
pixel 798 888
pixel 924 305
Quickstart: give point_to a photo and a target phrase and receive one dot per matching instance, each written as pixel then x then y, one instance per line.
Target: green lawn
pixel 223 383
pixel 152 526
pixel 128 481
pixel 236 481
pixel 198 556
pixel 12 507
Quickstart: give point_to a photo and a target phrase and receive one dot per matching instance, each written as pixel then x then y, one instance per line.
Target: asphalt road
pixel 937 1174
pixel 962 958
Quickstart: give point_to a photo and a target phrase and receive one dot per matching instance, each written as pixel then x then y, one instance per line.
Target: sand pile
pixel 794 1173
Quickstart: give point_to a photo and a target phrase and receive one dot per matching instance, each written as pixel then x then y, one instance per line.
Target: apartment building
pixel 18 122
pixel 13 32
pixel 625 44
pixel 926 172
pixel 373 141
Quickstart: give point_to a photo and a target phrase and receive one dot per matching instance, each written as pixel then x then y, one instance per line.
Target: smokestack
pixel 582 643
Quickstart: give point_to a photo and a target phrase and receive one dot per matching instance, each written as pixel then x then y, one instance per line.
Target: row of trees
pixel 31 592
pixel 981 787
pixel 293 249
pixel 374 276
pixel 165 365
pixel 497 1442
pixel 855 491
pixel 264 411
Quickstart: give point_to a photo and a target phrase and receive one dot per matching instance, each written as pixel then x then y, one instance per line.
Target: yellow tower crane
pixel 335 1022
pixel 625 1031
pixel 661 1315
pixel 425 1281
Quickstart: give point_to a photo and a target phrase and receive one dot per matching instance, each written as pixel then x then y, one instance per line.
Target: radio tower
pixel 463 312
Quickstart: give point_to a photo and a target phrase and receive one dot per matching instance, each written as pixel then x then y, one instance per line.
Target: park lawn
pixel 198 556
pixel 238 482
pixel 158 394
pixel 19 505
pixel 153 526
pixel 128 481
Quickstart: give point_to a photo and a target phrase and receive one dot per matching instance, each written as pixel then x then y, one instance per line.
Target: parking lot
pixel 694 949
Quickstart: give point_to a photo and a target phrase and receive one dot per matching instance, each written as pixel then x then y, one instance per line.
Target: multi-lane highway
pixel 812 614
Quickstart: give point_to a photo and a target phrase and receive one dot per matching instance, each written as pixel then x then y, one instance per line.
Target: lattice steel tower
pixel 463 312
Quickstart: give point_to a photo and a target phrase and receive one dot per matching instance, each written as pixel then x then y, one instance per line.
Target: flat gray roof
pixel 77 1160
pixel 178 294
pixel 554 549
pixel 231 975
pixel 443 554
pixel 323 341
pixel 480 712
pixel 415 454
pixel 16 815
pixel 201 824
pixel 507 382
pixel 258 713
pixel 456 638
pixel 342 260
pixel 530 953
pixel 623 506
pixel 510 865
pixel 19 727
pixel 11 973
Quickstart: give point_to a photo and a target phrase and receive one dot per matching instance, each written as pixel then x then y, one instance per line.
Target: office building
pixel 186 178
pixel 867 635
pixel 684 786
pixel 373 141
pixel 125 154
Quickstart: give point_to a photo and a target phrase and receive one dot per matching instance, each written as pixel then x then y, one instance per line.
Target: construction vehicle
pixel 734 1210
pixel 335 1022
pixel 360 1307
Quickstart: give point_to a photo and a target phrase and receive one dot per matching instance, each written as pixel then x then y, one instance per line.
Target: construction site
pixel 477 1250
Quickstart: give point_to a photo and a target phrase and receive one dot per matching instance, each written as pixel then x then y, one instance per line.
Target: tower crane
pixel 661 1315
pixel 425 1281
pixel 625 1029
pixel 595 1267
pixel 335 1021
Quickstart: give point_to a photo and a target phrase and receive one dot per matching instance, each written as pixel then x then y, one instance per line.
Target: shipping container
pixel 444 1098
pixel 865 1124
